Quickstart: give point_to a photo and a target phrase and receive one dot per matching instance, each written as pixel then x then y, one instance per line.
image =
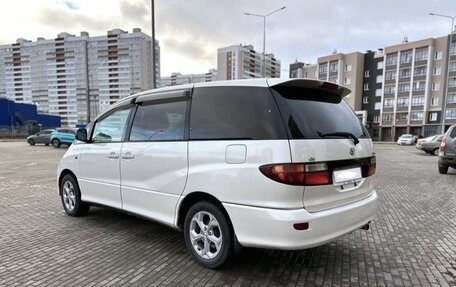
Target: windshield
pixel 317 114
pixel 406 136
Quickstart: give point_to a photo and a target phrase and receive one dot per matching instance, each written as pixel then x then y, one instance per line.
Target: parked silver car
pixel 447 152
pixel 42 137
pixel 430 144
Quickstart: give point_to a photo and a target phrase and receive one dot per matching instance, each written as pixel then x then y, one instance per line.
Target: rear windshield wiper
pixel 341 134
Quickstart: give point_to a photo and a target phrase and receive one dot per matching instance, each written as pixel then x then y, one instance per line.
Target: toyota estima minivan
pixel 267 163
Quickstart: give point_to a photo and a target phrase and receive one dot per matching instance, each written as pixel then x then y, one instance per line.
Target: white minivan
pixel 267 163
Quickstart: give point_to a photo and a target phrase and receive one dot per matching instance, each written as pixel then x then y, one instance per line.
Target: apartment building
pixel 243 62
pixel 373 91
pixel 77 77
pixel 414 88
pixel 347 70
pixel 303 70
pixel 179 79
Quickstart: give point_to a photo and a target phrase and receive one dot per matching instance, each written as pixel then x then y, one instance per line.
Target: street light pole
pixel 445 96
pixel 263 68
pixel 154 82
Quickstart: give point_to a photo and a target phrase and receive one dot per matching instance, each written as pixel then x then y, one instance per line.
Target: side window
pixel 111 127
pixel 453 133
pixel 248 113
pixel 159 121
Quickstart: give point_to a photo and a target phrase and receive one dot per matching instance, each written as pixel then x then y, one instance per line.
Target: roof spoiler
pixel 310 84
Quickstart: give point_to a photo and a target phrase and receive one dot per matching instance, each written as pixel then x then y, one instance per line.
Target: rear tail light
pixel 442 145
pixel 371 167
pixel 298 173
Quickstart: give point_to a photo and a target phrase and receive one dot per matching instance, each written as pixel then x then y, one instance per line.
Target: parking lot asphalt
pixel 412 241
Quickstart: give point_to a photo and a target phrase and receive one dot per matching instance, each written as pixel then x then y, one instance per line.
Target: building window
pixel 379 78
pixel 367 73
pixel 380 65
pixel 404 73
pixel 388 117
pixel 438 55
pixel 348 68
pixel 421 54
pixel 365 100
pixel 390 89
pixel 452 66
pixel 323 68
pixel 376 119
pixel 450 114
pixel 434 101
pixel 378 92
pixel 432 117
pixel 453 49
pixel 416 116
pixel 419 86
pixel 391 59
pixel 390 75
pixel 402 102
pixel 451 82
pixel 437 71
pixel 347 81
pixel 378 106
pixel 451 99
pixel 366 86
pixel 388 103
pixel 333 67
pixel 333 79
pixel 403 88
pixel 406 57
pixel 420 71
pixel 417 101
pixel 401 116
pixel 436 86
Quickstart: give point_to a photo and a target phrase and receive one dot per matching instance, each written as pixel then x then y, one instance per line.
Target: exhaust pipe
pixel 365 226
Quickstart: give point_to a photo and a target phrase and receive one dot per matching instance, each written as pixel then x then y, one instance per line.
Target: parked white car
pixel 406 139
pixel 274 163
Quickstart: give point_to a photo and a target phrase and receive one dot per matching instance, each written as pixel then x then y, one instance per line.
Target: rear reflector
pixel 301 226
pixel 442 145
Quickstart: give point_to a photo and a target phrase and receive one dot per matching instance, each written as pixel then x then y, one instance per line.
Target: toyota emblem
pixel 352 150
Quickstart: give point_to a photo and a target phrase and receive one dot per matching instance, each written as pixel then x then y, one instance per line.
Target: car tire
pixel 435 151
pixel 46 144
pixel 443 169
pixel 208 235
pixel 31 142
pixel 71 197
pixel 56 143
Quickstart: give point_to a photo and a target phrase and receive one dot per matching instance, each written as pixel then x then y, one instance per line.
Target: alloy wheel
pixel 205 235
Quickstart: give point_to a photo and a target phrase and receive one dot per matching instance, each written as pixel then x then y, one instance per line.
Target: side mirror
pixel 81 135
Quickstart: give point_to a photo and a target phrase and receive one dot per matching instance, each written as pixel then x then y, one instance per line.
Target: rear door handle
pixel 113 155
pixel 128 155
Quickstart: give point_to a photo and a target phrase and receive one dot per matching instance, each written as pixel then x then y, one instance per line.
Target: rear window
pixel 315 114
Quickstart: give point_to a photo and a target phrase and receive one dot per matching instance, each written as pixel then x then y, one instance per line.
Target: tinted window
pixel 315 114
pixel 235 113
pixel 453 132
pixel 111 127
pixel 164 121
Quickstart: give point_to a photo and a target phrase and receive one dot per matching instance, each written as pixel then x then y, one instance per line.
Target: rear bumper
pixel 447 160
pixel 273 228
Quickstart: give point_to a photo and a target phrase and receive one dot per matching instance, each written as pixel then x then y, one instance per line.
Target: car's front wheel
pixel 435 151
pixel 31 142
pixel 56 143
pixel 208 235
pixel 71 197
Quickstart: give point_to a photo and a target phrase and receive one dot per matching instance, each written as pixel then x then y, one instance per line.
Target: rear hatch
pixel 325 134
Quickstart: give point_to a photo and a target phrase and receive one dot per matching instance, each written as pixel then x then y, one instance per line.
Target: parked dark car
pixel 447 152
pixel 430 145
pixel 41 137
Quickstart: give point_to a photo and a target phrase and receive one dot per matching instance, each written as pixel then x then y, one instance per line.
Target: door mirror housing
pixel 81 135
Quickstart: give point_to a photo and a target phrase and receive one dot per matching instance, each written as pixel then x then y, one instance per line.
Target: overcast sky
pixel 190 31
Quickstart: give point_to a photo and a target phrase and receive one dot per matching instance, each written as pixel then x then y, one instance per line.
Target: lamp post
pixel 152 12
pixel 263 68
pixel 445 96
